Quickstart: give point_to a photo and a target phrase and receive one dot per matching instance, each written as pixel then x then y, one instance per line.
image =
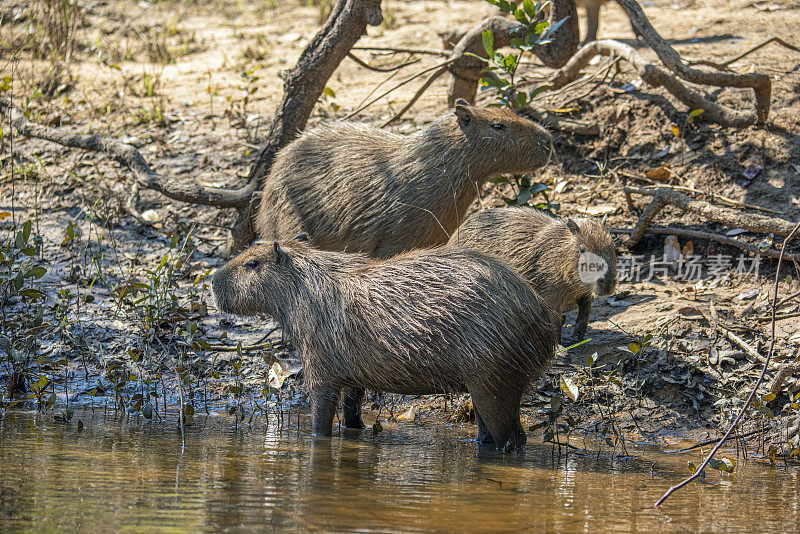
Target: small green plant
pixel 237 111
pixel 502 75
pixel 23 320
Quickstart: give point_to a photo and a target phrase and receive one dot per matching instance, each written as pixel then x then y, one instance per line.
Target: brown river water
pixel 111 477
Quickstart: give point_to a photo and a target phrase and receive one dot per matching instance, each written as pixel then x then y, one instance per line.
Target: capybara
pixel 356 188
pixel 425 322
pixel 566 261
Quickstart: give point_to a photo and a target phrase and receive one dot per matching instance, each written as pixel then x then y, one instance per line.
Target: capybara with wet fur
pixel 357 188
pixel 566 261
pixel 425 322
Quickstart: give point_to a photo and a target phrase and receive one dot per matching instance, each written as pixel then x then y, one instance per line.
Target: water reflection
pixel 410 478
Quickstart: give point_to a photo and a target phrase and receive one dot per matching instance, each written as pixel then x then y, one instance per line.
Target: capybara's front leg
pixel 582 322
pixel 351 407
pixel 324 400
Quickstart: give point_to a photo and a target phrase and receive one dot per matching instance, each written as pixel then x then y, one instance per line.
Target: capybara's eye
pixel 499 126
pixel 252 264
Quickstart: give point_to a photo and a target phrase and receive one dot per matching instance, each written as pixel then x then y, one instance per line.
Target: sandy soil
pixel 194 56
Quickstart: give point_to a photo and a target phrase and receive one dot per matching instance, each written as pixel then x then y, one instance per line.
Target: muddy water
pixel 112 476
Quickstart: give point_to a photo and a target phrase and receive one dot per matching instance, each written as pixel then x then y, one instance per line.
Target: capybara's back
pixel 443 320
pixel 358 188
pixel 566 261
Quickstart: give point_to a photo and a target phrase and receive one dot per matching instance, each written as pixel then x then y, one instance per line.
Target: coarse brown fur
pixel 546 251
pixel 357 188
pixel 431 321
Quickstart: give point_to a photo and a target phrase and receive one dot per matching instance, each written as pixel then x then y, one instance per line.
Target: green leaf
pixel 696 112
pixel 521 17
pixel 768 397
pixel 634 348
pixel 488 42
pixel 36 272
pixel 529 8
pixel 591 359
pixel 31 293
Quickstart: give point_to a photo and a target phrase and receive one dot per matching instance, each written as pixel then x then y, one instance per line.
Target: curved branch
pixel 130 157
pixel 656 77
pixel 759 83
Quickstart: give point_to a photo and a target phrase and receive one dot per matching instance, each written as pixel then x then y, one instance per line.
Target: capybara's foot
pixel 351 407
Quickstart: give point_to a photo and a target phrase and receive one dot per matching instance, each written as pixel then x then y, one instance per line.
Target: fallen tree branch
pixel 714 196
pixel 788 369
pixel 425 51
pixel 759 83
pixel 724 66
pixel 129 156
pixel 656 76
pixel 725 240
pixel 736 219
pixel 741 413
pixel 744 345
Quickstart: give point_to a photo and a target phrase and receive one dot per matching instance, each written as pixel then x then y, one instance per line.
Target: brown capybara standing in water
pixel 567 262
pixel 426 322
pixel 357 188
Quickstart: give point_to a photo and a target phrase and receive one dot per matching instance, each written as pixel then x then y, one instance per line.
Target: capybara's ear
pixel 573 227
pixel 302 237
pixel 463 112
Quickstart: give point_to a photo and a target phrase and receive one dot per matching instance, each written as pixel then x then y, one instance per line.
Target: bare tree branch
pixel 734 218
pixel 759 83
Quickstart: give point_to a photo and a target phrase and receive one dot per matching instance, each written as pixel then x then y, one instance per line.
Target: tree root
pixel 127 155
pixel 467 71
pixel 759 83
pixel 736 219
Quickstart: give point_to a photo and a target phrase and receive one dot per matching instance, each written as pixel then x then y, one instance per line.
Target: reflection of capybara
pixel 566 261
pixel 357 188
pixel 443 320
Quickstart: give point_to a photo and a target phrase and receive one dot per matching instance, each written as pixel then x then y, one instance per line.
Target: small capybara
pixel 566 261
pixel 425 322
pixel 356 188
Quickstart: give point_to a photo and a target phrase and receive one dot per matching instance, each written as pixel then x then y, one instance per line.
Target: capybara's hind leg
pixel 351 407
pixel 484 436
pixel 324 400
pixel 500 413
